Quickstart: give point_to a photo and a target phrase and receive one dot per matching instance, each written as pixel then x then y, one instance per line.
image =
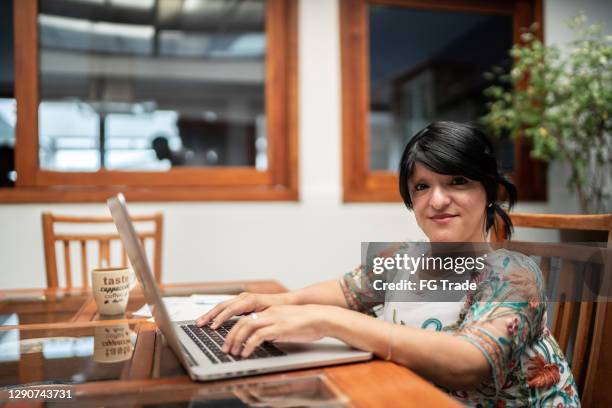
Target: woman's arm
pixel 353 290
pixel 323 293
pixel 441 357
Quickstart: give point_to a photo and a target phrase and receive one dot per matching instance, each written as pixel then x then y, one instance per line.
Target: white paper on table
pixel 186 307
pixel 209 299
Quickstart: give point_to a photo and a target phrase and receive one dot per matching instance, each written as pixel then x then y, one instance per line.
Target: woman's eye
pixel 420 187
pixel 457 181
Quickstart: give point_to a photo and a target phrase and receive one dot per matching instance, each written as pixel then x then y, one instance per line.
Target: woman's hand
pixel 242 304
pixel 281 323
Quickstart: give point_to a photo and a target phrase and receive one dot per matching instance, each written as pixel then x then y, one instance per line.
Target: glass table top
pixel 70 355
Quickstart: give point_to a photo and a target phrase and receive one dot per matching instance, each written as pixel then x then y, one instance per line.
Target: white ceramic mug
pixel 111 289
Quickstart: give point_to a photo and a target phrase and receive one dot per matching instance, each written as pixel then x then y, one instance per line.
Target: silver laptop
pixel 199 349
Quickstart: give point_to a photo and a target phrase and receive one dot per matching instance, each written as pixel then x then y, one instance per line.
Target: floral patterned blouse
pixel 527 366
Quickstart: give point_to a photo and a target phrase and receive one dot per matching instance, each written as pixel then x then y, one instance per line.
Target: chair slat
pixel 159 229
pixel 97 237
pixel 567 279
pixel 104 245
pixel 545 268
pixel 94 219
pixel 585 317
pixel 570 313
pixel 124 257
pixel 50 252
pixel 84 271
pixel 556 315
pixel 597 222
pixel 67 264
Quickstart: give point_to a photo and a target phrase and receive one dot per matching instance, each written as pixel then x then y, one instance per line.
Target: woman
pixel 485 352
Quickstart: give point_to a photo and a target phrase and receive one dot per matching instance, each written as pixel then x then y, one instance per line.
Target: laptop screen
pixel 138 259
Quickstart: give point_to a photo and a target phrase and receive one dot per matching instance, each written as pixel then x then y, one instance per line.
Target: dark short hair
pixel 460 149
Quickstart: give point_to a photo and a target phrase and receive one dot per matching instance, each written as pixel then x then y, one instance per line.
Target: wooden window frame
pixel 278 182
pixel 360 184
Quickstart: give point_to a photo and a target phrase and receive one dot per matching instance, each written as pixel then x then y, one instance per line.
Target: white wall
pixel 295 243
pixel 556 12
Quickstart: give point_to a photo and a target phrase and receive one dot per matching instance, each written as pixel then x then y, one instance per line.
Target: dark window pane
pixel 7 103
pixel 427 66
pixel 8 117
pixel 7 75
pixel 151 84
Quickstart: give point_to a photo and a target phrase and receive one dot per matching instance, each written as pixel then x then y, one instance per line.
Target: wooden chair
pixel 104 240
pixel 580 327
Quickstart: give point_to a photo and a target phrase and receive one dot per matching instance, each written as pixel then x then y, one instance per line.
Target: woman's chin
pixel 444 239
pixel 445 236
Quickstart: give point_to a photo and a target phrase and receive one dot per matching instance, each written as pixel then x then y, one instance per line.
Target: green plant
pixel 561 102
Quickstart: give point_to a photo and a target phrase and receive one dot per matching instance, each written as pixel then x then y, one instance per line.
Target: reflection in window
pixel 67 347
pixel 9 339
pixel 8 119
pixel 147 85
pixel 11 347
pixel 427 66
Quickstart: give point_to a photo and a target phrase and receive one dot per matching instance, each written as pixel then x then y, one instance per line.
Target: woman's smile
pixel 443 218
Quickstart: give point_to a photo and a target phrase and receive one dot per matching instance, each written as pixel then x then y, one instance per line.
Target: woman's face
pixel 448 208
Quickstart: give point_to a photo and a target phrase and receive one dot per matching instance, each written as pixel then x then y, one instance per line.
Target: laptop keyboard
pixel 210 342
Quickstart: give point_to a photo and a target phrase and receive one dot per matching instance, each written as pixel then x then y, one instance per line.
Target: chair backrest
pixel 578 326
pixel 103 240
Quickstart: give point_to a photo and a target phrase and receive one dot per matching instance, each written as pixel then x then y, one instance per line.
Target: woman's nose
pixel 439 198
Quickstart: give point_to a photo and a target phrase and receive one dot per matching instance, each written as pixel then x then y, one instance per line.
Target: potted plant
pixel 561 101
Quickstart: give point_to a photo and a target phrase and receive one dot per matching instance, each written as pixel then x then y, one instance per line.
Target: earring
pixel 490 205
